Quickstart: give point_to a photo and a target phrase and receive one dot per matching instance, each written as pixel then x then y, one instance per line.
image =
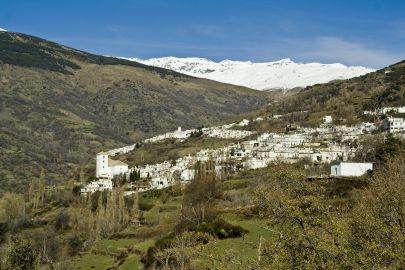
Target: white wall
pixel 102 165
pixel 118 169
pixel 187 175
pixel 350 169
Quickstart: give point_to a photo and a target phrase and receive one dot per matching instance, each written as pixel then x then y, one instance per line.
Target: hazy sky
pixel 353 32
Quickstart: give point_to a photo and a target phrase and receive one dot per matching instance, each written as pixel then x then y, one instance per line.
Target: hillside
pixel 345 100
pixel 59 105
pixel 282 74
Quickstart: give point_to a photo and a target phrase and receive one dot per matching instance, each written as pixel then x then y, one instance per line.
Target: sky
pixel 353 32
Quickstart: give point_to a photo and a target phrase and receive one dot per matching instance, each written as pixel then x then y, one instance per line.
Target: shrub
pixel 145 206
pixel 62 220
pixel 75 244
pixel 3 231
pixel 22 255
pixel 222 229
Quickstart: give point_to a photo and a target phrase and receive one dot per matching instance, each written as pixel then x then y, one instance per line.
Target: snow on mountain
pixel 3 30
pixel 282 74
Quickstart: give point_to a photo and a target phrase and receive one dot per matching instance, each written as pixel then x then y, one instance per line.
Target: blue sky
pixel 353 32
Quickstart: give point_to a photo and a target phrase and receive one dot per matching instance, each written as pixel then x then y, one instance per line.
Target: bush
pixel 175 245
pixel 145 206
pixel 165 197
pixel 167 208
pixel 3 231
pixel 75 244
pixel 222 229
pixel 22 255
pixel 62 221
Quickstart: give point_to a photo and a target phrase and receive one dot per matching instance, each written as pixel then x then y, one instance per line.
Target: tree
pixel 76 190
pixel 378 225
pixel 12 210
pixel 42 185
pixel 308 235
pixel 62 220
pixel 21 255
pixel 391 147
pixel 199 197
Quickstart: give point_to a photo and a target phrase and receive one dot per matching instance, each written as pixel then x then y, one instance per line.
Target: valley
pixel 186 163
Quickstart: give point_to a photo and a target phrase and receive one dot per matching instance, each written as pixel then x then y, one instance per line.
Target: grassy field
pixel 108 253
pixel 244 249
pixel 132 263
pixel 92 261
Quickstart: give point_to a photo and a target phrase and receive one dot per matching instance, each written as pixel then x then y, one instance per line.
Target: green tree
pixel 377 236
pixel 22 255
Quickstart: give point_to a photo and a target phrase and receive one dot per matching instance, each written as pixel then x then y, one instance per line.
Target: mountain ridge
pixel 281 74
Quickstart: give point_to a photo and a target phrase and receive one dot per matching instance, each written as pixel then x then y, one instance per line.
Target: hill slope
pixel 283 74
pixel 346 100
pixel 59 106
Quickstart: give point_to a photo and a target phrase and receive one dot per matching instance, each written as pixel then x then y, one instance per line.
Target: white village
pixel 326 144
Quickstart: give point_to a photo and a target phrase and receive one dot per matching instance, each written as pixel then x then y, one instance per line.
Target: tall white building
pixel 108 168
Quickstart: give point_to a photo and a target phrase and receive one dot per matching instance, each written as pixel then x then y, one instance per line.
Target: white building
pixel 254 163
pixel 160 182
pixel 394 125
pixel 387 110
pixel 327 119
pixel 243 123
pixel 350 168
pixel 98 185
pixel 108 168
pixel 187 175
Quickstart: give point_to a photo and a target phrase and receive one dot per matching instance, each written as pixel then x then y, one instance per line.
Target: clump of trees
pixel 198 223
pixel 197 133
pixel 315 228
pixel 105 214
pixel 21 255
pixel 134 176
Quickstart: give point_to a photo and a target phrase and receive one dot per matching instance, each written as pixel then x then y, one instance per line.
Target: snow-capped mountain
pixel 3 30
pixel 283 74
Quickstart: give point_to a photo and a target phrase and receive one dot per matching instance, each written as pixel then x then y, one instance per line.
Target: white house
pixel 327 119
pixel 98 185
pixel 387 110
pixel 394 124
pixel 350 168
pixel 187 175
pixel 159 182
pixel 254 163
pixel 243 123
pixel 108 168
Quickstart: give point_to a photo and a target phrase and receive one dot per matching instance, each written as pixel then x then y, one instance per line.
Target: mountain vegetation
pixel 270 218
pixel 59 106
pixel 345 100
